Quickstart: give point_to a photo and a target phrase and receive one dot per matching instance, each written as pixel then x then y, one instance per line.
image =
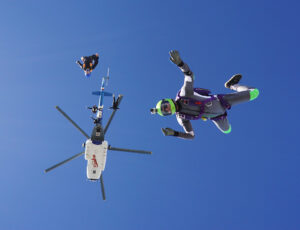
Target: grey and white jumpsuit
pixel 213 110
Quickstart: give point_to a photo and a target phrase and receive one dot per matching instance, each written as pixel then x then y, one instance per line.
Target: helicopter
pixel 96 146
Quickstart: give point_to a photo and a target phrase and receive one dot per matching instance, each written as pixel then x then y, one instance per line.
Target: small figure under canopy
pixel 88 64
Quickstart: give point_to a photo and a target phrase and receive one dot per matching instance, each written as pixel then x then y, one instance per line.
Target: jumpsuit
pixel 90 62
pixel 214 107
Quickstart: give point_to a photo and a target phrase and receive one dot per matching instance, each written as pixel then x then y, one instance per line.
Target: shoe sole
pixel 233 80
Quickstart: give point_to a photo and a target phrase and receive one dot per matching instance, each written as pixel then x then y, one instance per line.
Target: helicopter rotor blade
pixel 63 162
pixel 102 187
pixel 113 113
pixel 73 123
pixel 129 150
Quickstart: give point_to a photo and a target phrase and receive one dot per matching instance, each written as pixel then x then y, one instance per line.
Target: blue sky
pixel 246 180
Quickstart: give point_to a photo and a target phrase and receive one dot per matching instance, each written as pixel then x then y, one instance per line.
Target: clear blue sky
pixel 246 180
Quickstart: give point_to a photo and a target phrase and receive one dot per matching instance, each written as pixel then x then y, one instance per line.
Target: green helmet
pixel 165 107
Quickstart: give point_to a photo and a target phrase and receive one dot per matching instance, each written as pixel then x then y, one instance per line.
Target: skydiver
pixel 88 64
pixel 197 103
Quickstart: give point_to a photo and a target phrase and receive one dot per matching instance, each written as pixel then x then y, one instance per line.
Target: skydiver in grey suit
pixel 197 103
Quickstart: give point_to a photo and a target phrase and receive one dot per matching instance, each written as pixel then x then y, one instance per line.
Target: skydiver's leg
pixel 244 94
pixel 222 124
pixel 95 61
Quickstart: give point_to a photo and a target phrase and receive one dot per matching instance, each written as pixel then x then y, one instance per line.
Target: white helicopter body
pixel 96 146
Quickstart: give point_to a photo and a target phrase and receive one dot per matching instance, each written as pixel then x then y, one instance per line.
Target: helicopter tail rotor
pixel 116 103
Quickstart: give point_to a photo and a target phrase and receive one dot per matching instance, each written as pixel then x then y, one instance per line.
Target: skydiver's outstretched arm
pixel 188 129
pixel 188 86
pixel 186 125
pixel 80 64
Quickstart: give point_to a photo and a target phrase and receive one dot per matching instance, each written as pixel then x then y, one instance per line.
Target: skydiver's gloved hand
pixel 168 131
pixel 175 58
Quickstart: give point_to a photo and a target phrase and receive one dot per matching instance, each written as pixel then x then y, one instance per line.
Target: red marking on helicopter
pixel 95 163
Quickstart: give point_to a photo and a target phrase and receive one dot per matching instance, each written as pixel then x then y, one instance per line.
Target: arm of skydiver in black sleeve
pixel 188 85
pixel 95 58
pixel 80 64
pixel 186 125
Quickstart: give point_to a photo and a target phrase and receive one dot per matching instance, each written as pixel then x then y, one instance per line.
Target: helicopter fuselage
pixel 96 146
pixel 95 154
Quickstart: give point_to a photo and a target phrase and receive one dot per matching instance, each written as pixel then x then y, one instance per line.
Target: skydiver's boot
pixel 235 79
pixel 245 93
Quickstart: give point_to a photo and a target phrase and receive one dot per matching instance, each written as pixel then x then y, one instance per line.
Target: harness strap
pixel 223 101
pixel 201 104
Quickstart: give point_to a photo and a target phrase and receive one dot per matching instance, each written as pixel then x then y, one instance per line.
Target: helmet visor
pixel 166 108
